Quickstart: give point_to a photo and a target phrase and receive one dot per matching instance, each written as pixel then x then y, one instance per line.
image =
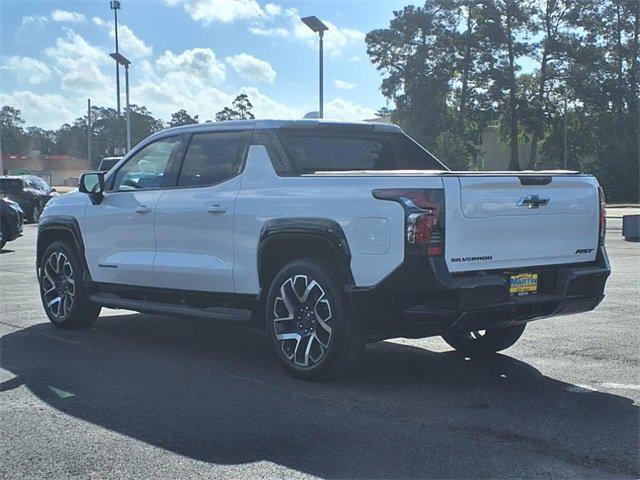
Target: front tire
pixel 64 298
pixel 484 342
pixel 3 242
pixel 35 214
pixel 309 323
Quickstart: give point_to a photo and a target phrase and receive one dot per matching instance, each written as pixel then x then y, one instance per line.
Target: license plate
pixel 523 283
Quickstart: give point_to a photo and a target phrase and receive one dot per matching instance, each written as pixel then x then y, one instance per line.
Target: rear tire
pixel 309 322
pixel 63 295
pixel 485 342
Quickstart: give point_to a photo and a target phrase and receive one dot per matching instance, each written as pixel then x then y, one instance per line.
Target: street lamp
pixel 318 27
pixel 121 60
pixel 115 6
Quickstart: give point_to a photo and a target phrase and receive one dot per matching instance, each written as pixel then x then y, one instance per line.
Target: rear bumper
pixel 423 299
pixel 13 223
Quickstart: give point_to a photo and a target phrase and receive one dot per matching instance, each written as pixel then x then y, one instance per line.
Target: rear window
pixel 335 150
pixel 10 185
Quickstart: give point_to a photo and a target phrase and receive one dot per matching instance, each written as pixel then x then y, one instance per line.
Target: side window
pixel 269 140
pixel 147 168
pixel 42 185
pixel 212 158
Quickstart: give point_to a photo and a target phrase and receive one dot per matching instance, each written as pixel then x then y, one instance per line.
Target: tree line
pixel 107 130
pixel 547 73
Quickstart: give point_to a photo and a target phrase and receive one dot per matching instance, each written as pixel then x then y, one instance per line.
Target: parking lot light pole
pixel 115 6
pixel 89 131
pixel 126 83
pixel 122 60
pixel 316 25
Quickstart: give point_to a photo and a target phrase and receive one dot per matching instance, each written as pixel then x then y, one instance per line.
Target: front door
pixel 119 232
pixel 194 220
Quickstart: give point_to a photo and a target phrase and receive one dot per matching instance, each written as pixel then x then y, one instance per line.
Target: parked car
pixel 11 216
pixel 30 192
pixel 328 236
pixel 107 163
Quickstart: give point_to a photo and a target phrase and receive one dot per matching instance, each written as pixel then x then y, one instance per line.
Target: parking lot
pixel 142 396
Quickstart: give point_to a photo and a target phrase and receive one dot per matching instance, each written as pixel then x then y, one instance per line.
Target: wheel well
pixel 50 235
pixel 276 252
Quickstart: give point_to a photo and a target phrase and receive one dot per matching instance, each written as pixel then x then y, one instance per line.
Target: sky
pixel 191 54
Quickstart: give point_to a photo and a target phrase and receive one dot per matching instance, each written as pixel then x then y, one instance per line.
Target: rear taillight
pixel 424 218
pixel 603 217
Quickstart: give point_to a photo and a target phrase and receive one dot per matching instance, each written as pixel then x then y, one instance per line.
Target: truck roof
pixel 271 124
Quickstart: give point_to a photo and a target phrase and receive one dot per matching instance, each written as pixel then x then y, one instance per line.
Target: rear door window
pixel 212 158
pixel 336 149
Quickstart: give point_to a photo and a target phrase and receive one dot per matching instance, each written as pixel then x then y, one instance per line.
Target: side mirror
pixel 92 184
pixel 53 189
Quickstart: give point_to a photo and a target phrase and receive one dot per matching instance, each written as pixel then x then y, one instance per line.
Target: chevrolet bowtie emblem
pixel 532 201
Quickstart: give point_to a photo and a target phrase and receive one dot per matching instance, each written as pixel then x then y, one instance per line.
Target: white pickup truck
pixel 327 235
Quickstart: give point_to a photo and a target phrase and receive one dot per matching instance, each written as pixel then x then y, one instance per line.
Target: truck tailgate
pixel 511 221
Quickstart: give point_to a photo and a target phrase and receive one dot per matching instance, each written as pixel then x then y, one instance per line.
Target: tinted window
pixel 317 151
pixel 107 164
pixel 212 158
pixel 10 185
pixel 147 168
pixel 40 184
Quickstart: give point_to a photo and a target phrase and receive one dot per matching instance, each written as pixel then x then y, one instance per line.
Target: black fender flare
pixel 295 228
pixel 68 225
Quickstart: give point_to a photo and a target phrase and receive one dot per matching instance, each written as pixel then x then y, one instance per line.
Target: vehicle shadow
pixel 5 250
pixel 213 392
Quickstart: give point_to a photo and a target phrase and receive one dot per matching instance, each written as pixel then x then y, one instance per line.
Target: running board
pixel 110 300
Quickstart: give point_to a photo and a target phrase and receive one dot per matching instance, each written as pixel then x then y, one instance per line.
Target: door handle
pixel 216 209
pixel 142 209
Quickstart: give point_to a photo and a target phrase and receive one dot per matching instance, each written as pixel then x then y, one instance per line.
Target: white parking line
pixel 621 386
pixel 581 389
pixel 605 385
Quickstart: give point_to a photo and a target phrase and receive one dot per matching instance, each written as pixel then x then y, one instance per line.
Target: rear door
pixel 194 220
pixel 507 221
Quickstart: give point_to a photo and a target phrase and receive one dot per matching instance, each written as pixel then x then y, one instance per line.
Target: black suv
pixel 10 221
pixel 30 192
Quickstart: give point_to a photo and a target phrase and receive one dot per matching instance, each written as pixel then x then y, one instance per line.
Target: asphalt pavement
pixel 144 396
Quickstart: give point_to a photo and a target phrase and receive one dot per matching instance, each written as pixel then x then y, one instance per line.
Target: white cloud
pixel 251 68
pixel 130 44
pixel 89 81
pixel 47 111
pixel 162 98
pixel 199 63
pixel 270 32
pixel 223 11
pixel 335 39
pixel 27 69
pixel 78 64
pixel 74 52
pixel 342 85
pixel 67 17
pixel 273 9
pixel 266 107
pixel 33 20
pixel 341 109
